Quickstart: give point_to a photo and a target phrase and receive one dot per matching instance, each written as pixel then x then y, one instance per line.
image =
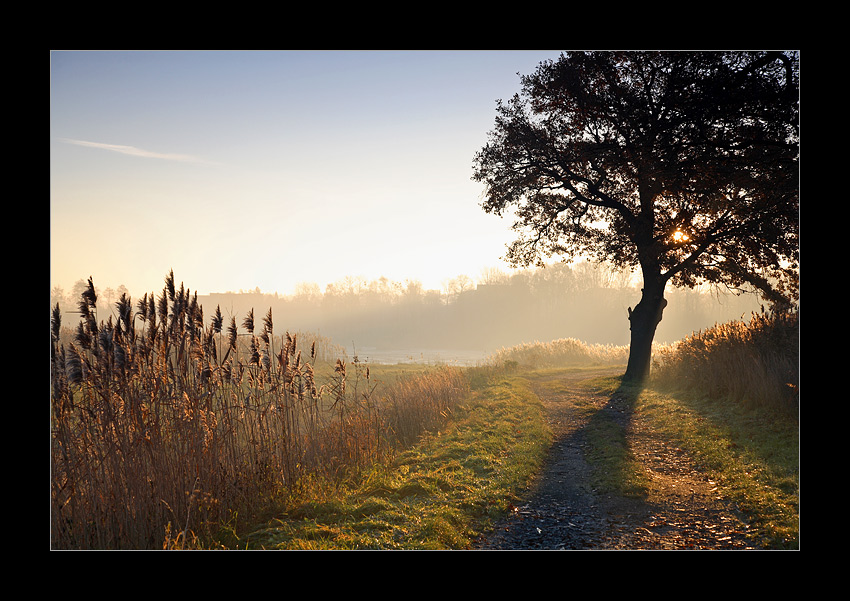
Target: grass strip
pixel 615 467
pixel 751 453
pixel 440 494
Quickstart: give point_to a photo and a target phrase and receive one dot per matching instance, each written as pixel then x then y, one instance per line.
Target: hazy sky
pixel 241 169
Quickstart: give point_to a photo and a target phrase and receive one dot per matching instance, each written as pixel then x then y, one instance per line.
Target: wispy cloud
pixel 139 152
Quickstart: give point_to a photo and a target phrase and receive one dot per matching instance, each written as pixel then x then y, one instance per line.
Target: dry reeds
pixel 756 363
pixel 165 428
pixel 561 352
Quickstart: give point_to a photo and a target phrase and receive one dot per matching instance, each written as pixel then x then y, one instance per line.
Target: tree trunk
pixel 644 320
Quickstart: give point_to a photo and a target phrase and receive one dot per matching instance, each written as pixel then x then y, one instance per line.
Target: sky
pixel 245 169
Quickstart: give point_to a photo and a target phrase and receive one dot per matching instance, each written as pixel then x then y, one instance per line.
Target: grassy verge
pixel 751 452
pixel 439 494
pixel 752 455
pixel 615 468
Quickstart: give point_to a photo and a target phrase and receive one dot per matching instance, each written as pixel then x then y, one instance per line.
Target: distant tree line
pixel 583 301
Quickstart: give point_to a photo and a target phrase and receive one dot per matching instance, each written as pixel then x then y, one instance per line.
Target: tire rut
pixel 562 511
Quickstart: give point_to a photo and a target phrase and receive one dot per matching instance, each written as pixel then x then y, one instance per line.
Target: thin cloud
pixel 133 151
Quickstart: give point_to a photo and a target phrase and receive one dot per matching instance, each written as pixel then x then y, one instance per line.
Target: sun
pixel 679 236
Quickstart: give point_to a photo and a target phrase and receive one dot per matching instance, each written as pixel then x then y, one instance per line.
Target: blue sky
pixel 243 169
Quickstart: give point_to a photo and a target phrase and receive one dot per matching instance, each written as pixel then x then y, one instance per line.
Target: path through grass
pixel 437 495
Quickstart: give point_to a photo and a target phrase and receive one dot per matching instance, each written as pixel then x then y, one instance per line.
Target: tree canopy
pixel 682 165
pixel 685 163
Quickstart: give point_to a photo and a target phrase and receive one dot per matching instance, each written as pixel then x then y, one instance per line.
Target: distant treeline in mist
pixel 584 301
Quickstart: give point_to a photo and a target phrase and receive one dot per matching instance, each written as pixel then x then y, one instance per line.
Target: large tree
pixel 682 165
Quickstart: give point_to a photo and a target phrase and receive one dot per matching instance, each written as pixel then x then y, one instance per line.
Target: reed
pixel 167 429
pixel 560 352
pixel 755 363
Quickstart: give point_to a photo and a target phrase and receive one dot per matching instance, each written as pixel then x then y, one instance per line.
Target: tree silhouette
pixel 682 165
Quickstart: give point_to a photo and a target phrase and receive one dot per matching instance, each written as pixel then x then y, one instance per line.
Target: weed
pixel 557 353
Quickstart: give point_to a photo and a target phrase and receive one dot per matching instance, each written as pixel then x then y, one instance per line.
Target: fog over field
pixel 387 321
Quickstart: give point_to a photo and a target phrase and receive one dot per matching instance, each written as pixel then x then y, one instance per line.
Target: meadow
pixel 172 431
pixel 166 432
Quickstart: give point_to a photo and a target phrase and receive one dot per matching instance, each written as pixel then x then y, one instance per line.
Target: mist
pixel 387 321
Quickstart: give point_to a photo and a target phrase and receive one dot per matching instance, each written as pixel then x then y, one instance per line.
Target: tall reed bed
pixel 755 362
pixel 164 428
pixel 561 352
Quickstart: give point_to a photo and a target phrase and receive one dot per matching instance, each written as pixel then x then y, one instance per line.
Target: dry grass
pixel 561 352
pixel 166 430
pixel 440 493
pixel 756 363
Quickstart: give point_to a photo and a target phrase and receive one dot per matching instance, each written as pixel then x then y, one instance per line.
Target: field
pixel 169 433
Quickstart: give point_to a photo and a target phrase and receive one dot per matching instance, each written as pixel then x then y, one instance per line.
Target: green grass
pixel 751 453
pixel 454 484
pixel 439 494
pixel 615 469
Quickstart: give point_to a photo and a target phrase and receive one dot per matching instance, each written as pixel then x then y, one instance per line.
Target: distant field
pixel 424 356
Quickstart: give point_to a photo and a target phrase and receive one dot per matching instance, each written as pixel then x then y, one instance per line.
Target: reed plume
pixel 158 433
pixel 217 320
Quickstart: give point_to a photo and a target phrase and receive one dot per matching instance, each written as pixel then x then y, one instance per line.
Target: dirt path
pixel 683 509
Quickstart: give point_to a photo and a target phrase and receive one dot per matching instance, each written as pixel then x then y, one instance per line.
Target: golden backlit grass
pixel 755 362
pixel 168 431
pixel 560 352
pixel 439 494
pixel 751 452
pixel 730 394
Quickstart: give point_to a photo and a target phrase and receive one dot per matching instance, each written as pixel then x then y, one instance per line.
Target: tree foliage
pixel 681 164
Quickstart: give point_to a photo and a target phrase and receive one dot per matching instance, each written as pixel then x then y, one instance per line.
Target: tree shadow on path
pixel 609 482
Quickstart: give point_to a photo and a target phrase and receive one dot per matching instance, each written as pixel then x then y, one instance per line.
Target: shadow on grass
pixel 607 432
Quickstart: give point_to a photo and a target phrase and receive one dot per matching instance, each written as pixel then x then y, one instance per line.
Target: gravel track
pixel 561 510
